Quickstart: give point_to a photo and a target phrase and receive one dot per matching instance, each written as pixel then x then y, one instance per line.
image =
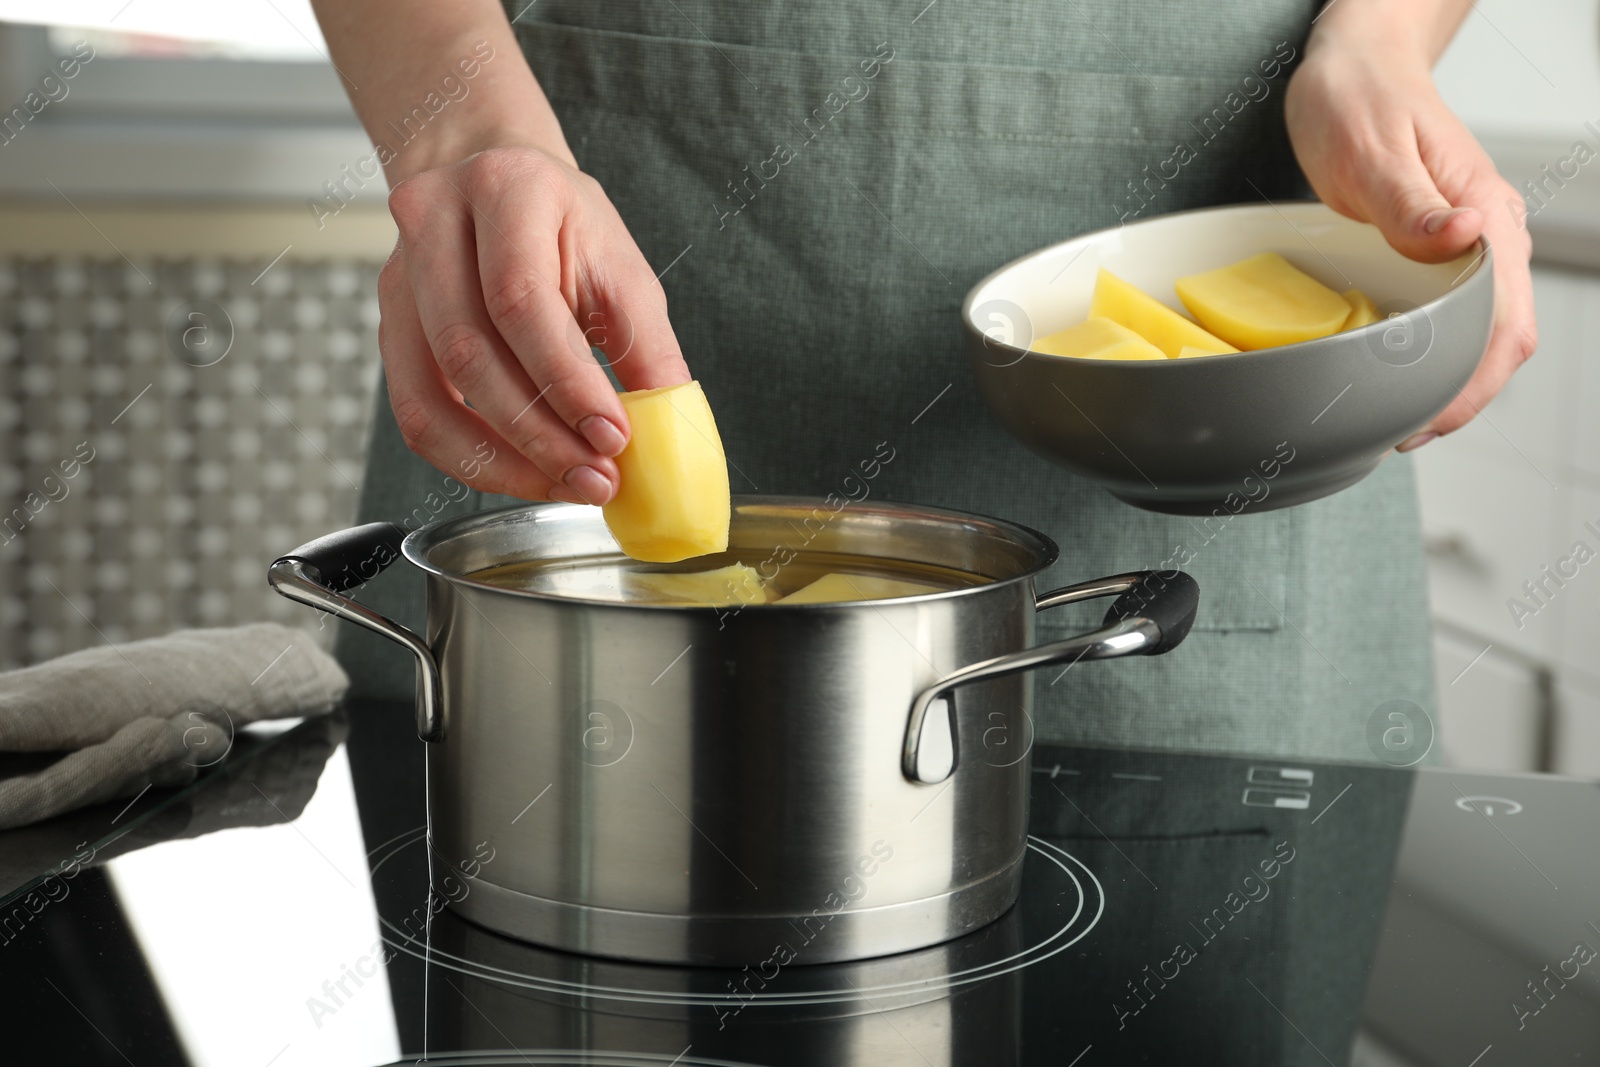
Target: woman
pixel 816 186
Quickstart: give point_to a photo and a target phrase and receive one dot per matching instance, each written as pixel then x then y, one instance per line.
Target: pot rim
pixel 419 542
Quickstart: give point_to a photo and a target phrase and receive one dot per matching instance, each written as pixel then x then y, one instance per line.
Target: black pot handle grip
pixel 320 572
pixel 1169 599
pixel 345 559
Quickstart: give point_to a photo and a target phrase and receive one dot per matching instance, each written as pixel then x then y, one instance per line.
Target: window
pixel 169 100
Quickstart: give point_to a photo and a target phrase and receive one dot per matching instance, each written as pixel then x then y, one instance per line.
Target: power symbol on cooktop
pixel 1489 805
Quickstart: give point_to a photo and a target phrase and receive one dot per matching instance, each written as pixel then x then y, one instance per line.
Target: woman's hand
pixel 510 264
pixel 1379 145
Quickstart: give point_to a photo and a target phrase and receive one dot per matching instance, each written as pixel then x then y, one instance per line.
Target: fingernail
pixel 602 435
pixel 1435 221
pixel 592 486
pixel 1415 441
pixel 565 495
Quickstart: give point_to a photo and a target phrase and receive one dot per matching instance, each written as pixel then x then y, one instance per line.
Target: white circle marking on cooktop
pixel 1026 958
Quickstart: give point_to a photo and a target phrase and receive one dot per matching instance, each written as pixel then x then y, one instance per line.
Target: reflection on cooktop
pixel 1064 902
pixel 943 1001
pixel 1174 909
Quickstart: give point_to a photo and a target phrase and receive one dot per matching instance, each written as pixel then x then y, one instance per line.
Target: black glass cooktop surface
pixel 1176 909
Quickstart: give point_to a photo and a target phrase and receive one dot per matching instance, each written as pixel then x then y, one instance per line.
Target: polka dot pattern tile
pixel 142 491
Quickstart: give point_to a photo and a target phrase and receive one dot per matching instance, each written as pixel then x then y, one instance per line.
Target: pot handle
pixel 319 572
pixel 1152 615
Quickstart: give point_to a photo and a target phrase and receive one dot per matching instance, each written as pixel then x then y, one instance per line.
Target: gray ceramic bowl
pixel 1256 430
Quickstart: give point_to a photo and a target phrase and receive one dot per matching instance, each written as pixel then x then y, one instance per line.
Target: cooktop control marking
pixel 1277 798
pixel 1490 806
pixel 1137 777
pixel 1280 776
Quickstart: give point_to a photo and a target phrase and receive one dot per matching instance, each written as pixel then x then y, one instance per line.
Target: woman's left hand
pixel 1379 145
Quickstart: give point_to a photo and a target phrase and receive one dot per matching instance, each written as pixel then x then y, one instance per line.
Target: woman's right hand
pixel 510 264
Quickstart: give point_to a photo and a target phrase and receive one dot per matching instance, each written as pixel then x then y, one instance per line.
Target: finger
pixel 1502 359
pixel 1515 334
pixel 529 285
pixel 624 295
pixel 1398 194
pixel 474 358
pixel 433 421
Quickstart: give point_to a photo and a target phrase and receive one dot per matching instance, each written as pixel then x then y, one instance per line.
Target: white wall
pixel 1502 498
pixel 1526 68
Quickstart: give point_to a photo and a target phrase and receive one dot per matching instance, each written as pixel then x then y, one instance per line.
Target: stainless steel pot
pixel 693 784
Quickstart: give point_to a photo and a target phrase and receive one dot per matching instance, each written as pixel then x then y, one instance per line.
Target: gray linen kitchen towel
pixel 151 712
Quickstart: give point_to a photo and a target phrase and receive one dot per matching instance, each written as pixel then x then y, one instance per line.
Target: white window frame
pixel 175 129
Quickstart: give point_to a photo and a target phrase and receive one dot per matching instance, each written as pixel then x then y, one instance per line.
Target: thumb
pixel 1405 203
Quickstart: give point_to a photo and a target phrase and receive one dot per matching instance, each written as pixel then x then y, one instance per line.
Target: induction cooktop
pixel 1175 909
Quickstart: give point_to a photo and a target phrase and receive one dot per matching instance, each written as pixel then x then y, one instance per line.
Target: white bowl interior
pixel 1053 286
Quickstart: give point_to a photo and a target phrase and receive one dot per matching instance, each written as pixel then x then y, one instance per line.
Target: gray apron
pixel 822 183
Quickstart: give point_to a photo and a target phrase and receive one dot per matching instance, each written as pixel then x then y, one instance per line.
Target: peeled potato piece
pixel 1130 306
pixel 674 500
pixel 1263 302
pixel 733 584
pixel 1189 350
pixel 1098 338
pixel 1363 312
pixel 836 587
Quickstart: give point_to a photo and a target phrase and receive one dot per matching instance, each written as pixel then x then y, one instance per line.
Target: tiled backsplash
pixel 142 492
